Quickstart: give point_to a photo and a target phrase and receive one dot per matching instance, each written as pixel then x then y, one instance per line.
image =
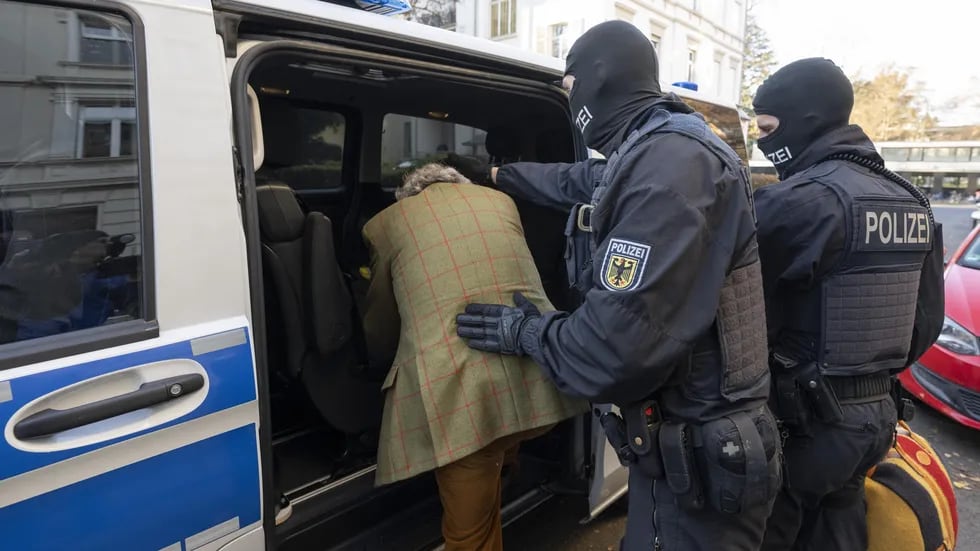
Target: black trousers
pixel 821 506
pixel 654 517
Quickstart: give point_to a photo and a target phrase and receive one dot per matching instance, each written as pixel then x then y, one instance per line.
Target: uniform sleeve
pixel 647 306
pixel 382 324
pixel 800 233
pixel 555 185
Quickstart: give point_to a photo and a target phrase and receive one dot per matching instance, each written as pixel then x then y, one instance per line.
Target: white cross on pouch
pixel 730 449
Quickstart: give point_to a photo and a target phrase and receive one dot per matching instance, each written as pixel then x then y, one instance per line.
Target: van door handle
pixel 52 421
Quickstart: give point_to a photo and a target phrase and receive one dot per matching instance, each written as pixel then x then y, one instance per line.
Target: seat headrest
pixel 280 216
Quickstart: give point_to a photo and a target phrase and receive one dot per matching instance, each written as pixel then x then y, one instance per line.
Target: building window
pixel 72 253
pixel 915 154
pixel 898 154
pixel 718 73
pixel 103 42
pixel 503 18
pixel 106 131
pixel 976 154
pixel 655 40
pixel 559 42
pixel 733 72
pixel 692 60
pixel 962 154
pixel 955 182
pixel 938 154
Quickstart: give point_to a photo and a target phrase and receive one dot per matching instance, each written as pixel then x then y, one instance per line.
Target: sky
pixel 939 40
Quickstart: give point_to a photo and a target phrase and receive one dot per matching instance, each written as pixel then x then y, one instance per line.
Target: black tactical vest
pixel 867 304
pixel 730 363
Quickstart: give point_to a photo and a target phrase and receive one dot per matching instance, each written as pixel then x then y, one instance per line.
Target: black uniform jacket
pixel 667 231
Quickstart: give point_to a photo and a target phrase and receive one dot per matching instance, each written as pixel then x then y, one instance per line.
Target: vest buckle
pixel 584 219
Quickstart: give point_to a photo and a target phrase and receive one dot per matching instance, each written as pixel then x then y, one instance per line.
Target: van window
pixel 70 187
pixel 304 146
pixel 410 142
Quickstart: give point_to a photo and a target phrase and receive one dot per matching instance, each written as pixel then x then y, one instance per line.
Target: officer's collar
pixel 846 139
pixel 669 102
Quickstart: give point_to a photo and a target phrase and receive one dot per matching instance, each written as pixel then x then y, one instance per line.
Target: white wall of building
pixel 712 29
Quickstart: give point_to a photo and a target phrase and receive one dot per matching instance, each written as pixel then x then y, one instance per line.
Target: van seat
pixel 311 314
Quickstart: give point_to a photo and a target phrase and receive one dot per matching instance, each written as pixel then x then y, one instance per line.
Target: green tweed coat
pixel 431 255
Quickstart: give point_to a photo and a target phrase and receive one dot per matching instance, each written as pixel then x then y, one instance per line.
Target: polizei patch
pixel 622 268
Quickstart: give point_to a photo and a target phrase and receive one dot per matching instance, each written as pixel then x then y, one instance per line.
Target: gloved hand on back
pixel 499 328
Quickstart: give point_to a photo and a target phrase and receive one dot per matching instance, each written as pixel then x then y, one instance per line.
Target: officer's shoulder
pixel 678 150
pixel 800 189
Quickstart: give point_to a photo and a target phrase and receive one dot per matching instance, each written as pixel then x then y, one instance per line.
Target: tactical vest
pixel 741 330
pixel 867 304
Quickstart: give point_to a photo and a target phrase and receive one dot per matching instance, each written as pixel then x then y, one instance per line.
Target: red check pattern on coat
pixel 432 254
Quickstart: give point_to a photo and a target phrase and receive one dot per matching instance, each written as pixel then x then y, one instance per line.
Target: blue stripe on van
pixel 148 505
pixel 230 372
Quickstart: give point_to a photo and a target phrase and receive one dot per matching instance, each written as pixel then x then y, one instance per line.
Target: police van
pixel 182 190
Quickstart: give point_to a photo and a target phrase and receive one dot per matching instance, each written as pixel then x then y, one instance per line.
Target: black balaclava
pixel 616 76
pixel 810 97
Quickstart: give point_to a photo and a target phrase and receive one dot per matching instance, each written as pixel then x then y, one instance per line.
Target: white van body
pixel 142 400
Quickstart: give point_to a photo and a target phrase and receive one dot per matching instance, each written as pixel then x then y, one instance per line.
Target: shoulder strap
pixel 660 118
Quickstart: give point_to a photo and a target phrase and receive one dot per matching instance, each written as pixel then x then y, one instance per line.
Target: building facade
pixel 68 106
pixel 698 41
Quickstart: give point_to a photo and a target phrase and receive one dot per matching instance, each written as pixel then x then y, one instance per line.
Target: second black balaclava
pixel 810 97
pixel 616 76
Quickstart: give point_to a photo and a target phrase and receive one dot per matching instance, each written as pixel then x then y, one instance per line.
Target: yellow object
pixel 911 504
pixel 365 272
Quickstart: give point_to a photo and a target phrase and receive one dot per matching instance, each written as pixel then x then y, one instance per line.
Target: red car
pixel 947 376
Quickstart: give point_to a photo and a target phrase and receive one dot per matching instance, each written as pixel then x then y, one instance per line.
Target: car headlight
pixel 957 339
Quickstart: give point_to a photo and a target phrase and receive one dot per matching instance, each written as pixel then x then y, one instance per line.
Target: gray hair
pixel 434 173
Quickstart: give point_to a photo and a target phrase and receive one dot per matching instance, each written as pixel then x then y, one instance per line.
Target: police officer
pixel 842 242
pixel 671 328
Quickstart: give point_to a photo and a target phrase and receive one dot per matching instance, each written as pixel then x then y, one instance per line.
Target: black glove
pixel 476 170
pixel 496 327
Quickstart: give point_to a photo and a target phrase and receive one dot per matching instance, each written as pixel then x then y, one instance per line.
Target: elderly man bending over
pixel 447 242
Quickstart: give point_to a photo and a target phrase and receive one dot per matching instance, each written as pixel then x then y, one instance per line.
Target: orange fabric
pixel 470 493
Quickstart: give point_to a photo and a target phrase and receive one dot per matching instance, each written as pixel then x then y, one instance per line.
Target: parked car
pixel 947 376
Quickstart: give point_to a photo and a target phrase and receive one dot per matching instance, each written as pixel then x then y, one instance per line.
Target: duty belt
pixel 875 385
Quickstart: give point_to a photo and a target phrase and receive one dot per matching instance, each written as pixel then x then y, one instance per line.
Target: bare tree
pixel 435 13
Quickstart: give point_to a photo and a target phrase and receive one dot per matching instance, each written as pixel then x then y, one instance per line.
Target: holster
pixel 680 467
pixel 615 430
pixel 822 398
pixel 801 393
pixel 643 424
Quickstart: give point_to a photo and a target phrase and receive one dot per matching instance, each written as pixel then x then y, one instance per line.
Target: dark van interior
pixel 337 136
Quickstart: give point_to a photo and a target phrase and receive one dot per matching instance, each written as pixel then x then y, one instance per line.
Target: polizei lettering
pixel 627 249
pixel 780 156
pixel 896 228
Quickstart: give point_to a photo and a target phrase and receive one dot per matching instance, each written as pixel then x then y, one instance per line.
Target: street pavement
pixel 555 526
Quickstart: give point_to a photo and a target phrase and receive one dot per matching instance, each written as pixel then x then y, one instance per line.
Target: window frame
pixel 30 351
pixel 558 43
pixel 509 24
pixel 114 37
pixel 692 62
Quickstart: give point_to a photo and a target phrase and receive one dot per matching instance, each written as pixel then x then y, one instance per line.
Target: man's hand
pixel 496 327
